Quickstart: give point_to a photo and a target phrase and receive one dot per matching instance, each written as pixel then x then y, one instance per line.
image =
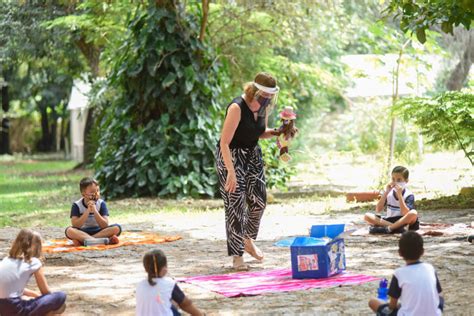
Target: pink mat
pixel 255 283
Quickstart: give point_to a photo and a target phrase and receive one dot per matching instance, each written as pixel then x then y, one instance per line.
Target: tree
pixel 96 28
pixel 159 134
pixel 446 120
pixel 37 64
pixel 418 16
pixel 445 16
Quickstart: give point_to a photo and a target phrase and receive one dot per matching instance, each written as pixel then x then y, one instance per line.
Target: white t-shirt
pixel 155 300
pixel 418 288
pixel 14 275
pixel 393 204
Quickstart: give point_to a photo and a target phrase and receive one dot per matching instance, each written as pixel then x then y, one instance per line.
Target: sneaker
pixel 113 240
pixel 378 230
pixel 470 239
pixel 400 230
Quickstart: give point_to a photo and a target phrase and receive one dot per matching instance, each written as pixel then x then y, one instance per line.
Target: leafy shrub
pixel 159 134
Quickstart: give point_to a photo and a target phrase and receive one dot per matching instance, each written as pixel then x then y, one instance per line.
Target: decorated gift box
pixel 319 256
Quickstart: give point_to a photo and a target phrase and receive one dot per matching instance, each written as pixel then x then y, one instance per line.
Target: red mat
pixel 269 281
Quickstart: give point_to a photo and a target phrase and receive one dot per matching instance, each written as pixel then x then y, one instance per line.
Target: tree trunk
pixel 45 142
pixel 5 123
pixel 205 14
pixel 89 148
pixel 395 83
pixel 460 73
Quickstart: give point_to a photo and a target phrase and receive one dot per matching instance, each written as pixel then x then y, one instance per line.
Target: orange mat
pixel 126 239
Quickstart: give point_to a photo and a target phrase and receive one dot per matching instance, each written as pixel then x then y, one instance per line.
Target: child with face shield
pixel 240 166
pixel 400 204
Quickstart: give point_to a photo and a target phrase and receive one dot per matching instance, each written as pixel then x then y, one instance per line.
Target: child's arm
pixel 403 206
pixel 381 203
pixel 31 293
pixel 185 303
pixel 188 306
pixel 41 281
pixel 393 303
pixel 78 221
pixel 102 221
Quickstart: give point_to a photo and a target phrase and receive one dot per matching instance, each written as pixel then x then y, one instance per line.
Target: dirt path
pixel 103 283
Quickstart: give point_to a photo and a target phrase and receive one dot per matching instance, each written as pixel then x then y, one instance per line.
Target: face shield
pixel 266 97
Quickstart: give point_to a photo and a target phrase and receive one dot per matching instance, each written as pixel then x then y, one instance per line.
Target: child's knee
pixel 68 230
pixel 413 214
pixel 117 229
pixel 368 217
pixel 374 304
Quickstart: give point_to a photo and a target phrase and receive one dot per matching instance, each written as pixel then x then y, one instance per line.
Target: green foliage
pixel 362 129
pixel 288 40
pixel 160 133
pixel 38 65
pixel 446 119
pixel 419 16
pixel 277 173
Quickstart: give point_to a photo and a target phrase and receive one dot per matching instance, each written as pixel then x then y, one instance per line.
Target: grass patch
pixel 37 193
pixel 40 193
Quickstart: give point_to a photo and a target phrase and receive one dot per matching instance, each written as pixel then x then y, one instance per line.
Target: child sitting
pixel 400 204
pixel 89 217
pixel 22 262
pixel 155 294
pixel 416 285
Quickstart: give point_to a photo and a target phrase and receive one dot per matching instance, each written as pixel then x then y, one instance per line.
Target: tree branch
pixel 205 14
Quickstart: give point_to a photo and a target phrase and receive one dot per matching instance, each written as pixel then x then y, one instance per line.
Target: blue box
pixel 330 230
pixel 316 258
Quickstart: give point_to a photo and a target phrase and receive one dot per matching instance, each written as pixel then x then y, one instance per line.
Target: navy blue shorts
pixel 393 219
pixel 38 306
pixel 94 230
pixel 384 310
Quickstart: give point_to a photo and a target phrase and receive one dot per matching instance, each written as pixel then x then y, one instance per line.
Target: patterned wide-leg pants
pixel 243 208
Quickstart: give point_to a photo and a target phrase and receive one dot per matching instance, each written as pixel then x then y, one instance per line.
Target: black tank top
pixel 249 130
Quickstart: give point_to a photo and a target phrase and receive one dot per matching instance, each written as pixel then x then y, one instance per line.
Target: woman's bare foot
pixel 251 249
pixel 239 264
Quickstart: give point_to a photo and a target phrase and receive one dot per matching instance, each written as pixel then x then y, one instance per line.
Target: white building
pixel 78 114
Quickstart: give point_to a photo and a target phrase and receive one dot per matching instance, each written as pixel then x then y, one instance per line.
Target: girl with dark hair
pixel 155 294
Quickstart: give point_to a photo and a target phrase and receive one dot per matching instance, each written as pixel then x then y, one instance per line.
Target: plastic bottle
pixel 383 290
pixel 96 241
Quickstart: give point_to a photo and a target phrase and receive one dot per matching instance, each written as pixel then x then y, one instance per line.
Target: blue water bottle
pixel 383 290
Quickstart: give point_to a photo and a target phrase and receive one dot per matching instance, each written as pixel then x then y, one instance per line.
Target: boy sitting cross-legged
pixel 400 203
pixel 90 217
pixel 415 288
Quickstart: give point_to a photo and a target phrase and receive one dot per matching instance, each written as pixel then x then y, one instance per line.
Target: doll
pixel 287 132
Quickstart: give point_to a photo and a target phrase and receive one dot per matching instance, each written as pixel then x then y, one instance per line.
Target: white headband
pixel 267 89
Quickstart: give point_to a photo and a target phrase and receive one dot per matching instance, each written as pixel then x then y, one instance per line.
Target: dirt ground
pixel 103 282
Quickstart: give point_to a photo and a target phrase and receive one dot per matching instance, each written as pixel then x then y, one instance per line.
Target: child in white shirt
pixel 155 294
pixel 415 285
pixel 22 262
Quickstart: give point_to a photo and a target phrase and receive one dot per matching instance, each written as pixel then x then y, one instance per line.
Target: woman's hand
pixel 231 182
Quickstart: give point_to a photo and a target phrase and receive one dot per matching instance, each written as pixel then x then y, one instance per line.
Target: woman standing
pixel 240 166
